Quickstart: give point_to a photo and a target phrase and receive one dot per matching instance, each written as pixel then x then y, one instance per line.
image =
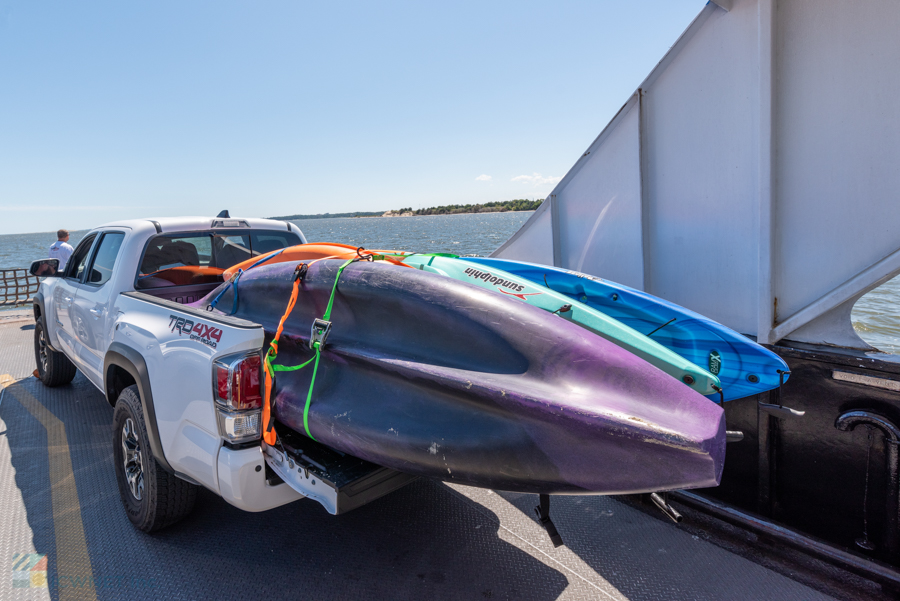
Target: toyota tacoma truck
pixel 185 384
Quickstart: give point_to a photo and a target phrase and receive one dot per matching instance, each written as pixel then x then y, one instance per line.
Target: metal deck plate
pixel 425 541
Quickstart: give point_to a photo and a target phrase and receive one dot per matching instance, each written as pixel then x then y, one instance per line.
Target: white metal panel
pixel 534 240
pixel 768 171
pixel 600 208
pixel 837 173
pixel 701 133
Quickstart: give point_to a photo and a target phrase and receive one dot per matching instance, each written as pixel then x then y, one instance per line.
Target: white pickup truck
pixel 185 383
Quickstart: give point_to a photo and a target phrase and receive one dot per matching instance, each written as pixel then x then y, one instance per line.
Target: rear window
pixel 187 259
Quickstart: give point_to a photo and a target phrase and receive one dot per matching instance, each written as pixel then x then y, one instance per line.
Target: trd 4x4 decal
pixel 199 331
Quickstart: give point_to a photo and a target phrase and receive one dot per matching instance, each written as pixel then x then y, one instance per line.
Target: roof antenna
pixel 224 214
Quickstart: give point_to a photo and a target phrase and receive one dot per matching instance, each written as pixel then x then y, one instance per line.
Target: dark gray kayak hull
pixel 438 378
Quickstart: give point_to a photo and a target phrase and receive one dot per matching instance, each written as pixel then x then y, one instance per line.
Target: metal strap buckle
pixel 300 271
pixel 318 333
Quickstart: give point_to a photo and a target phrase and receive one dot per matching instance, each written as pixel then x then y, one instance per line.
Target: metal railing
pixel 17 287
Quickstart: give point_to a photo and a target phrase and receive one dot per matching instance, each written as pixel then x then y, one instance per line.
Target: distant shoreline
pixel 329 215
pixel 381 216
pixel 506 206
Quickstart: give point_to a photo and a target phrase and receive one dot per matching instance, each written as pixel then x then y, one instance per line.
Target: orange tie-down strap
pixel 316 251
pixel 268 423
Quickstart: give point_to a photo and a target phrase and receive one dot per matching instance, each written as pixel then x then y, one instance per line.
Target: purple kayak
pixel 438 378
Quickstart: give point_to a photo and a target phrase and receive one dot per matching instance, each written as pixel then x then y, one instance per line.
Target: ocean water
pixel 19 250
pixel 466 234
pixel 876 316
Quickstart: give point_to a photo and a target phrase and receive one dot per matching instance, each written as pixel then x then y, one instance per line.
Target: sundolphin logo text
pixel 483 275
pixel 200 332
pixel 500 283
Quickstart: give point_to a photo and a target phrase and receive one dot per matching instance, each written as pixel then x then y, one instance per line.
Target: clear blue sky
pixel 124 109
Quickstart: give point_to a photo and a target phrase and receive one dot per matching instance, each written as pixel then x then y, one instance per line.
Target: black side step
pixel 340 482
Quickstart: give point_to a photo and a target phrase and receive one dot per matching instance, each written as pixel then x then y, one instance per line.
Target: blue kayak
pixel 744 367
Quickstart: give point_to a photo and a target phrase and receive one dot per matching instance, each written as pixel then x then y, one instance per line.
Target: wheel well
pixel 117 380
pixel 37 311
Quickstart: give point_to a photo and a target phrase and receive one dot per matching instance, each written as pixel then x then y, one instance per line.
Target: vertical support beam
pixel 767 437
pixel 766 314
pixel 646 255
pixel 554 229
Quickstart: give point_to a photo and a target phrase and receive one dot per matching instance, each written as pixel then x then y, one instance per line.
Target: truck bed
pixel 182 295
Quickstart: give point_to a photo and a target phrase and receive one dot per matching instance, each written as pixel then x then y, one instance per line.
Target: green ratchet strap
pixel 407 255
pixel 320 330
pixel 316 345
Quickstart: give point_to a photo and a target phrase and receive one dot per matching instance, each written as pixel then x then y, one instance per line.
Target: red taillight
pixel 245 389
pixel 238 383
pixel 222 382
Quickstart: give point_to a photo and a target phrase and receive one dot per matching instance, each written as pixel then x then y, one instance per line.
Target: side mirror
pixel 45 268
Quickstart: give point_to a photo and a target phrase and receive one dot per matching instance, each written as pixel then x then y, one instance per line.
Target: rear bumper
pixel 242 481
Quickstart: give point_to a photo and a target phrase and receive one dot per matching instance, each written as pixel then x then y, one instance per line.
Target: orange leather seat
pixel 184 275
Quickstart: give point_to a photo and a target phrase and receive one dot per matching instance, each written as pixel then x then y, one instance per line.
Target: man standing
pixel 61 249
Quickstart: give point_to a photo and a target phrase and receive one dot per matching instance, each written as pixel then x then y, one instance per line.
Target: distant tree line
pixel 330 215
pixel 502 206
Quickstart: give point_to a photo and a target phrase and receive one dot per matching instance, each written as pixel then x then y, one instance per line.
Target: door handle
pixel 96 313
pixel 68 299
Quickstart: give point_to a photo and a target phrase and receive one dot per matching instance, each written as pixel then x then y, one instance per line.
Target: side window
pixel 75 266
pixel 105 258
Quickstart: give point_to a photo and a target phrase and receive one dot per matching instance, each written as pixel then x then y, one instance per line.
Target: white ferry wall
pixel 754 175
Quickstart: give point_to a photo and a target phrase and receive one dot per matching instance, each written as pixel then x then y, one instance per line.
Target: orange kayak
pixel 312 252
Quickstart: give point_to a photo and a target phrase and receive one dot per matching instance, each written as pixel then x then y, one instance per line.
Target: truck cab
pixel 180 260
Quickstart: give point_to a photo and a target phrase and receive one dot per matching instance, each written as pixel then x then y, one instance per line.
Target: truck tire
pixel 53 368
pixel 153 498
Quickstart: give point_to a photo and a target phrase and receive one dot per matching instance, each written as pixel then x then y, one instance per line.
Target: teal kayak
pixel 744 367
pixel 567 308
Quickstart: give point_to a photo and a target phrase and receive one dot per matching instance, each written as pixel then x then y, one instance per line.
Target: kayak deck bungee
pixel 520 288
pixel 744 367
pixel 440 378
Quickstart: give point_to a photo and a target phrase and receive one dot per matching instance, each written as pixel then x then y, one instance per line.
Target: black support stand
pixel 543 513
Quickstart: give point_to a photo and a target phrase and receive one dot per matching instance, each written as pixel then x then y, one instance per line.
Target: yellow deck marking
pixel 73 563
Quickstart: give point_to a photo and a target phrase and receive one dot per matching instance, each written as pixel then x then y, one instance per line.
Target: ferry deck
pixel 429 540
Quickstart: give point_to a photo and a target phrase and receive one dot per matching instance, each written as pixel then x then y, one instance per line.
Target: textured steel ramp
pixel 58 497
